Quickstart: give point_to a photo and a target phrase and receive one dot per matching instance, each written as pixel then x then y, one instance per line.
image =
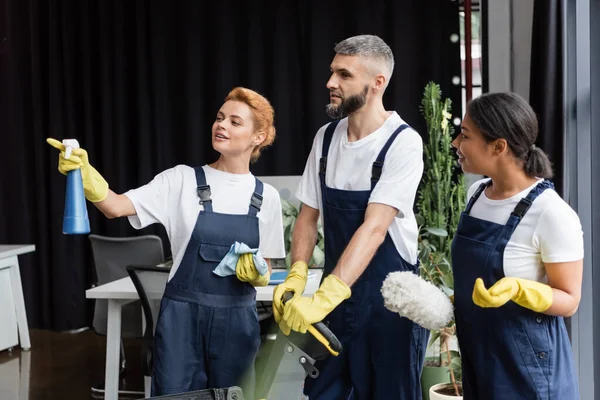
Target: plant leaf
pixel 420 219
pixel 435 335
pixel 437 231
pixel 318 257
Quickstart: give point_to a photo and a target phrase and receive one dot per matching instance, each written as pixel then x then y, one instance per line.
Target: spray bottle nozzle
pixel 70 144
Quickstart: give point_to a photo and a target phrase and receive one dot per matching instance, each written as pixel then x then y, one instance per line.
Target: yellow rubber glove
pixel 94 185
pixel 295 282
pixel 284 328
pixel 302 312
pixel 246 271
pixel 533 295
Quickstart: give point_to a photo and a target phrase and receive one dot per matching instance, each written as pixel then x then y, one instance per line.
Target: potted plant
pixel 440 201
pixel 444 368
pixel 290 214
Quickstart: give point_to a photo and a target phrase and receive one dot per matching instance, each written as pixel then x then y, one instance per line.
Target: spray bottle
pixel 75 219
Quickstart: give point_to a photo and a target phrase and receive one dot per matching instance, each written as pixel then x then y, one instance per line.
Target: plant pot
pixel 432 376
pixel 434 395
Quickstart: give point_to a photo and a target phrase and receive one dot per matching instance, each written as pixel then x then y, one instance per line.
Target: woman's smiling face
pixel 233 131
pixel 474 152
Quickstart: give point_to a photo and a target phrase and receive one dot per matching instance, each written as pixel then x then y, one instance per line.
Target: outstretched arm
pixel 115 205
pixel 95 186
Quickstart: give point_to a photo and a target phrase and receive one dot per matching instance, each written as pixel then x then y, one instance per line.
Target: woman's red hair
pixel 264 115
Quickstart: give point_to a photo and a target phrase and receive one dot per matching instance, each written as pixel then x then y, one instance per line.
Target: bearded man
pixel 361 179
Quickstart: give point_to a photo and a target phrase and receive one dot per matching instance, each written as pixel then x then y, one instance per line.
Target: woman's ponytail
pixel 537 163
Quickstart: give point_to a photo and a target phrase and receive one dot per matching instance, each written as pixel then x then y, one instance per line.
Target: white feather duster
pixel 416 299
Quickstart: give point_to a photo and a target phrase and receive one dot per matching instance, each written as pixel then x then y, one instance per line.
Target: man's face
pixel 348 86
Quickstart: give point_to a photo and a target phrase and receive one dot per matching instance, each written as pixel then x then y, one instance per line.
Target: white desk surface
pixel 9 261
pixel 124 289
pixel 9 250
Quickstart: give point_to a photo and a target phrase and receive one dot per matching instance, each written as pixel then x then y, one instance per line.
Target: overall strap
pixel 203 189
pixel 525 203
pixel 476 195
pixel 325 151
pixel 377 168
pixel 257 198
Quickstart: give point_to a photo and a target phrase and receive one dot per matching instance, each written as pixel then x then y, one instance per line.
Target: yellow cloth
pixel 246 271
pixel 295 282
pixel 302 312
pixel 533 295
pixel 94 185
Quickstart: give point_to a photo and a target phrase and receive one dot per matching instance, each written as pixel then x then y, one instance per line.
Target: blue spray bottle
pixel 75 219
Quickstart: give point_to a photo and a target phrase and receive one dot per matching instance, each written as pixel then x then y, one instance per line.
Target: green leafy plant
pixel 290 214
pixel 440 201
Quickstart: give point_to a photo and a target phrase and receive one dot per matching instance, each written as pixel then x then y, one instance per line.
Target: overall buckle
pixel 522 207
pixel 204 194
pixel 256 201
pixel 322 165
pixel 376 170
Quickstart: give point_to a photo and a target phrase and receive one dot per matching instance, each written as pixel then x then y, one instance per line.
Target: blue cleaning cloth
pixel 228 264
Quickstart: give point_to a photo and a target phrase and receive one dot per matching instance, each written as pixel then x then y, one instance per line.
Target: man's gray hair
pixel 368 46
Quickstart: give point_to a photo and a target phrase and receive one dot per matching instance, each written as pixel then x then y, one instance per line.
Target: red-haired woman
pixel 207 333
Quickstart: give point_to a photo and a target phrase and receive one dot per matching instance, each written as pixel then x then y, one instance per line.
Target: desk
pixel 122 291
pixel 13 317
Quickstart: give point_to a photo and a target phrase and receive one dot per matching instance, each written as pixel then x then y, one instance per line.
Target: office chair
pixel 149 281
pixel 111 256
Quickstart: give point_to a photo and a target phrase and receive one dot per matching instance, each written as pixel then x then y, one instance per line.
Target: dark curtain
pixel 138 83
pixel 546 91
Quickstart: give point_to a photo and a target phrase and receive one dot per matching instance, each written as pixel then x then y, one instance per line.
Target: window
pixel 476 52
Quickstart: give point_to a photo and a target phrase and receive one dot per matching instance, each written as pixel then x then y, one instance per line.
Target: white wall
pixel 510 25
pixel 285 185
pixel 522 14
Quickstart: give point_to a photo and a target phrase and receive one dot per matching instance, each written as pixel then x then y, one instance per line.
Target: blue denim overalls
pixel 509 352
pixel 207 334
pixel 383 352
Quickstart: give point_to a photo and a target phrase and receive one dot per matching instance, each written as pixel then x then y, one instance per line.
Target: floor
pixel 63 366
pixel 66 366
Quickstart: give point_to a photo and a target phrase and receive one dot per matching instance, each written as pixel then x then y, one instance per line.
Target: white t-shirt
pixel 349 167
pixel 171 199
pixel 549 232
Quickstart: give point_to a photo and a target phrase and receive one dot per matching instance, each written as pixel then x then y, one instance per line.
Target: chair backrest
pixel 150 284
pixel 111 256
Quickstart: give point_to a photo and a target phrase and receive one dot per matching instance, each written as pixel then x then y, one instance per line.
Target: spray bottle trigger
pixel 70 144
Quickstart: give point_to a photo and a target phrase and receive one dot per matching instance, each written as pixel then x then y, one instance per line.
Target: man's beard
pixel 348 105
